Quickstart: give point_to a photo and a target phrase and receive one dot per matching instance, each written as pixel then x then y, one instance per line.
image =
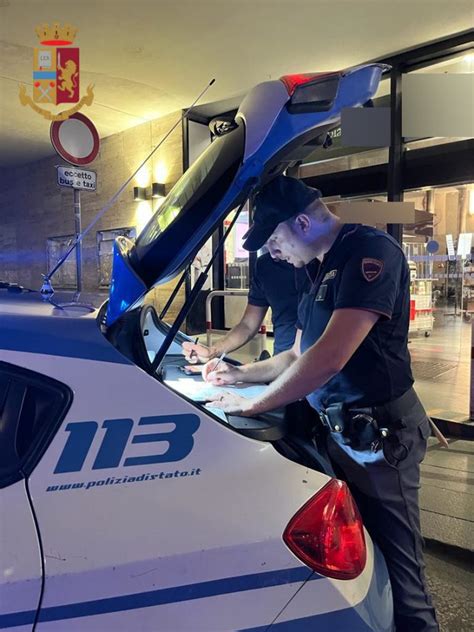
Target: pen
pixel 194 352
pixel 221 357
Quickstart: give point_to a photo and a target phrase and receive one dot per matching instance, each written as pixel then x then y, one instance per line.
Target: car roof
pixel 56 327
pixel 23 302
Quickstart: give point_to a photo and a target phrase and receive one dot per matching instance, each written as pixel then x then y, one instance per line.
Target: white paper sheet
pixel 200 391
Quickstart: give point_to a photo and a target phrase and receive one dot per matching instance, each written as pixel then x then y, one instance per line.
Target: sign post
pixel 79 180
pixel 78 229
pixel 76 140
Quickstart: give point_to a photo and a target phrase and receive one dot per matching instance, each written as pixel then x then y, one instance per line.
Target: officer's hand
pixel 231 403
pixel 195 369
pixel 197 353
pixel 225 373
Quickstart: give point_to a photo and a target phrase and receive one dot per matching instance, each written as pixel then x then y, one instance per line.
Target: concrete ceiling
pixel 151 57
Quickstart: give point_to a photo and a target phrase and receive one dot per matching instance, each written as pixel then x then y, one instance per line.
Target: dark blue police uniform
pixel 378 428
pixel 279 285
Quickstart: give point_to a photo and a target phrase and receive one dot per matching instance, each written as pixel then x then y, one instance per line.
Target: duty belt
pixel 369 424
pixel 390 414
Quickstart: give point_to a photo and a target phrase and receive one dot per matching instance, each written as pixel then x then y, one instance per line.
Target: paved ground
pixel 447 516
pixel 447 493
pixel 451 583
pixel 442 365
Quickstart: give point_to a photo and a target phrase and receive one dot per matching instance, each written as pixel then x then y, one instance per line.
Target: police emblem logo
pixel 371 269
pixel 56 73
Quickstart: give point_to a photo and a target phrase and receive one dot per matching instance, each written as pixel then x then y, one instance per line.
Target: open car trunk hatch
pixel 278 123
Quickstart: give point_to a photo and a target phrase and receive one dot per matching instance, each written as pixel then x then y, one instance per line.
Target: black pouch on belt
pixel 359 430
pixel 333 417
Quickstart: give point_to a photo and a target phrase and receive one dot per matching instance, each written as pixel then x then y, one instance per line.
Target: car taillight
pixel 327 533
pixel 295 81
pixel 312 92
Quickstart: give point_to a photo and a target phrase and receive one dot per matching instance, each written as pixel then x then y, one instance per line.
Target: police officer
pixel 351 361
pixel 275 284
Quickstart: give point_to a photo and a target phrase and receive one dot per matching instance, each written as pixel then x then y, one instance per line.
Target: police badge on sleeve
pixel 371 269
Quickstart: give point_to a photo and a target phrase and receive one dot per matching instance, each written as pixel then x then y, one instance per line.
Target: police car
pixel 126 503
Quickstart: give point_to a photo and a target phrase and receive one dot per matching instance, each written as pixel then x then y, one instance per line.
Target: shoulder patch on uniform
pixel 371 269
pixel 330 275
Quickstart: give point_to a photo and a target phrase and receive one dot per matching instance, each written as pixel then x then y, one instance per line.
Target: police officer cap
pixel 281 198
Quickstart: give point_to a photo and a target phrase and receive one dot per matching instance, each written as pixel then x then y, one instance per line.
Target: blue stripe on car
pixel 152 598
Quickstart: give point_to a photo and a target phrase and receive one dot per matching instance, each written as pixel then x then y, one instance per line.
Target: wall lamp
pixel 157 190
pixel 139 194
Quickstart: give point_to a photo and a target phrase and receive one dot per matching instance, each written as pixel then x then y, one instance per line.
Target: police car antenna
pixel 47 288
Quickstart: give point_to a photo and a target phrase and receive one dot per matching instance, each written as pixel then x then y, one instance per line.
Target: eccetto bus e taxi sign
pixel 76 178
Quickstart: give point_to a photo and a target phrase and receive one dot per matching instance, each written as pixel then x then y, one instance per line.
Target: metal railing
pixel 262 332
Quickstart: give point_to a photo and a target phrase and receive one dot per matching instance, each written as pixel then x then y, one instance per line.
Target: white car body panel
pixel 113 540
pixel 19 554
pixel 302 607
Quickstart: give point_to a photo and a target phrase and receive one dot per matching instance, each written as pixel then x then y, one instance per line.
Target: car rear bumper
pixel 373 614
